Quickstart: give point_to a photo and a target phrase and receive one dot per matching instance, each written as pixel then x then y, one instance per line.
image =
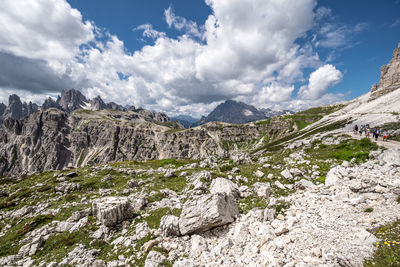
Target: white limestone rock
pixel 198 245
pixel 154 259
pixel 112 210
pixel 286 174
pixel 169 225
pixel 258 174
pixel 391 157
pixel 264 190
pixel 207 211
pixel 67 187
pixel 222 185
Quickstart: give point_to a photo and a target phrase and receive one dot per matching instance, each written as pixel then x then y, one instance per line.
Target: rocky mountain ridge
pixel 16 109
pixel 69 101
pixel 52 139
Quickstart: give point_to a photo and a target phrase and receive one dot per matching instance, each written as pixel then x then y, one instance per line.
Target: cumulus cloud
pixel 246 50
pixel 319 82
pixel 30 74
pixel 39 41
pixel 48 30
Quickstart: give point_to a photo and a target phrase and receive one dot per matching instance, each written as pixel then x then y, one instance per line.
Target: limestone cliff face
pixel 52 139
pixel 390 77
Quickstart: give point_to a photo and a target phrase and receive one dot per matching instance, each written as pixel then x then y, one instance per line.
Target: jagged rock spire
pixel 390 76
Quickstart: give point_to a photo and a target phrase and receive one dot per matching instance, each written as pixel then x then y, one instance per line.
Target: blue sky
pixel 185 57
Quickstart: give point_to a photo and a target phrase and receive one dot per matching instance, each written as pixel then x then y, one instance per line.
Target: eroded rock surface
pixel 112 210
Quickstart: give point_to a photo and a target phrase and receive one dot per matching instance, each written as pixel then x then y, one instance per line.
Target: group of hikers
pixel 376 132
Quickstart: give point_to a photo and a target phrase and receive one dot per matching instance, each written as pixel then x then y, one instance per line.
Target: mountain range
pixel 230 111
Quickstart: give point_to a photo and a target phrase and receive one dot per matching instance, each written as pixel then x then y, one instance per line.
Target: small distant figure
pixel 355 129
pixel 367 132
pixel 385 135
pixel 376 134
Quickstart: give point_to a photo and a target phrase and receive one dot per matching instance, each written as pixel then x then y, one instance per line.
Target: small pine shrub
pixel 369 210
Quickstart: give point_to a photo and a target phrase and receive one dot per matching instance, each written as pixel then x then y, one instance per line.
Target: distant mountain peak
pixel 232 111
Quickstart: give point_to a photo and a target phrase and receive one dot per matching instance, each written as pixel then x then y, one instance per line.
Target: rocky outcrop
pixel 112 210
pixel 50 103
pixel 206 212
pixel 2 109
pixel 390 77
pixel 71 100
pixel 154 259
pixel 97 103
pixel 16 109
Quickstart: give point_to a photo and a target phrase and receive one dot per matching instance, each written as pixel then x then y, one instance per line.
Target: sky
pixel 185 57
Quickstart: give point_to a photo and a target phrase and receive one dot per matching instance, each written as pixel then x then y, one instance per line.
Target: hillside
pixel 161 211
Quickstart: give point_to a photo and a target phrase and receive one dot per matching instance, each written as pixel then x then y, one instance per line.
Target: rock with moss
pixel 207 211
pixel 31 248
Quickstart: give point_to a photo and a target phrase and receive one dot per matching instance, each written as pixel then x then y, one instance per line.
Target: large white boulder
pixel 222 185
pixel 112 210
pixel 207 211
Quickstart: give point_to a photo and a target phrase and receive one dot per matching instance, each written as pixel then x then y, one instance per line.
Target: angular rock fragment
pixel 286 174
pixel 222 185
pixel 259 174
pixel 112 210
pixel 67 187
pixel 264 190
pixel 154 259
pixel 206 212
pixel 169 225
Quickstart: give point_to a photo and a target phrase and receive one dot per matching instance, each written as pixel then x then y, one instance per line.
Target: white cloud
pixel 148 31
pixel 395 23
pixel 48 30
pixel 332 35
pixel 319 82
pixel 245 50
pixel 182 24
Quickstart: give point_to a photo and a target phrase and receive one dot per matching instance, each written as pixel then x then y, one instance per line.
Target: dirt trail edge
pixel 386 144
